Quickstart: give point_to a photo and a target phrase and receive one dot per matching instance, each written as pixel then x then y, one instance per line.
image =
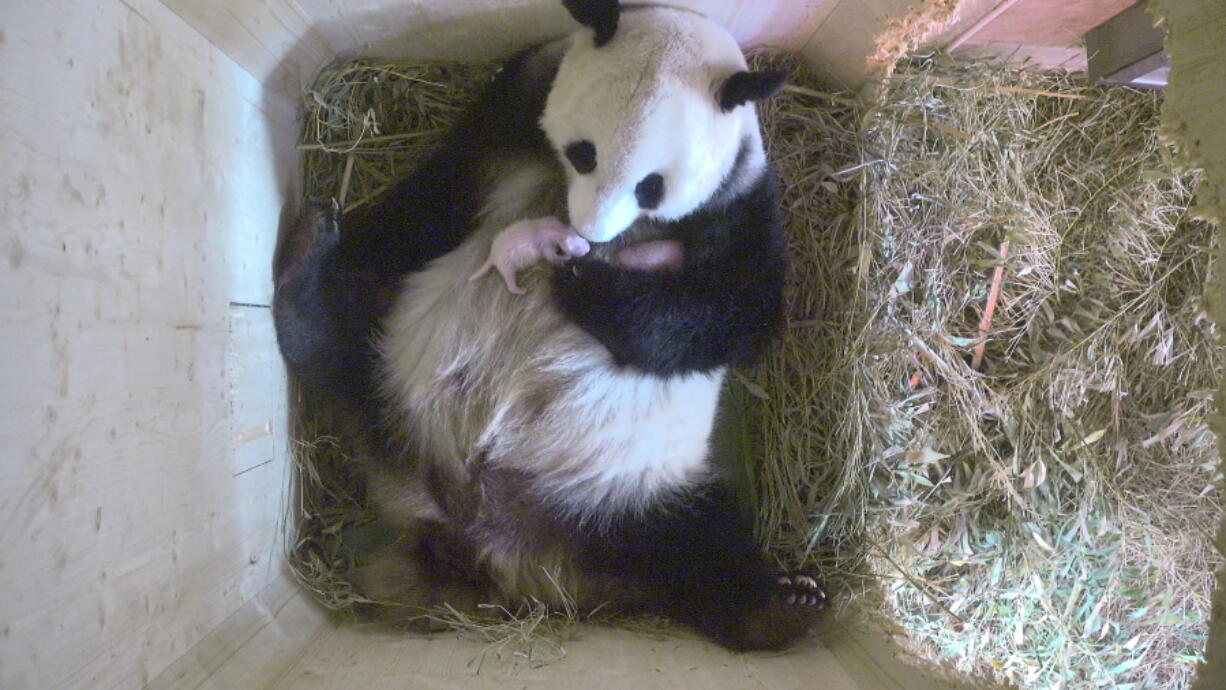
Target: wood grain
pixel 144 174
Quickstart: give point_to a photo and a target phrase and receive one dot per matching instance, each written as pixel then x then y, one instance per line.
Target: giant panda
pixel 554 445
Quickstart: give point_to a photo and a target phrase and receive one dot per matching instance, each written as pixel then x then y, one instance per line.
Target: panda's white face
pixel 638 122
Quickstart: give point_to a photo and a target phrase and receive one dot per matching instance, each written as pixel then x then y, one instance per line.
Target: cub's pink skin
pixel 652 255
pixel 525 242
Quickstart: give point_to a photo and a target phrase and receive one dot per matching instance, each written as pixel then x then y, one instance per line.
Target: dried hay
pixel 1036 487
pixel 1045 516
pixel 797 398
pixel 369 122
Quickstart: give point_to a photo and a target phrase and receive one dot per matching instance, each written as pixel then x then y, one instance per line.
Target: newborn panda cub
pixel 526 242
pixel 546 437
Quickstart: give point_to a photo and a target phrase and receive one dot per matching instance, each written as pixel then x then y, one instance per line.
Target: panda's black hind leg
pixel 697 558
pixel 314 230
pixel 324 311
pixel 297 273
pixel 799 588
pixel 794 602
pixel 769 611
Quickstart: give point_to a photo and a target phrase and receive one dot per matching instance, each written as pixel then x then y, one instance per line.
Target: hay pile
pixel 1045 515
pixel 369 122
pixel 810 502
pixel 1003 418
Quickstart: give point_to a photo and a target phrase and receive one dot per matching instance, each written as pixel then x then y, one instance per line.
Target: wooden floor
pixel 282 641
pixel 600 657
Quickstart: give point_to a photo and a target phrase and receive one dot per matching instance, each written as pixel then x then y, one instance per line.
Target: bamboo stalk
pixel 986 322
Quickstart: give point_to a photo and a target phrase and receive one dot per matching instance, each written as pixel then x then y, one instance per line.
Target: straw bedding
pixel 1029 492
pixel 1035 490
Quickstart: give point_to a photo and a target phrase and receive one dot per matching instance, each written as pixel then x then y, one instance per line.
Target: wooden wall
pixel 283 42
pixel 148 149
pixel 1192 119
pixel 142 490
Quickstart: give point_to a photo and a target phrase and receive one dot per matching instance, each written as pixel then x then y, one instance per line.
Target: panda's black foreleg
pixel 336 277
pixel 699 559
pixel 435 208
pixel 723 306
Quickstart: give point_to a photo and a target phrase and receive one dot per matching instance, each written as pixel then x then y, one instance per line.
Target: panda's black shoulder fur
pixel 432 211
pixel 338 277
pixel 721 308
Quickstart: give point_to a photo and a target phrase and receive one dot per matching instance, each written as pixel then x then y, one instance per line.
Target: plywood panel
pixel 1055 23
pixel 272 39
pixel 1192 118
pixel 144 174
pixel 254 647
pixel 468 29
pixel 840 47
pixel 786 24
pixel 967 15
pixel 481 29
pixel 599 658
pixel 283 42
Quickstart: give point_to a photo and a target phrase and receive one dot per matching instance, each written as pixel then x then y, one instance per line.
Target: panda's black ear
pixel 743 87
pixel 601 15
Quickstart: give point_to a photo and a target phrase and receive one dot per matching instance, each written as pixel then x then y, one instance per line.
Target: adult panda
pixel 557 441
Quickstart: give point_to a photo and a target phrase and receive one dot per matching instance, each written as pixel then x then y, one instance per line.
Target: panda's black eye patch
pixel 649 191
pixel 582 155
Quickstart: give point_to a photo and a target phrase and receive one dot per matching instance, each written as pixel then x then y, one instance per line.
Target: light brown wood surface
pixel 280 41
pixel 142 181
pixel 148 148
pixel 1192 118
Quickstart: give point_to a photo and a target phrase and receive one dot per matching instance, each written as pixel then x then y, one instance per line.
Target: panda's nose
pixel 604 220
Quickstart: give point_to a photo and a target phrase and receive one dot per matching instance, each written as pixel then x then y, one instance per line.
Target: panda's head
pixel 652 114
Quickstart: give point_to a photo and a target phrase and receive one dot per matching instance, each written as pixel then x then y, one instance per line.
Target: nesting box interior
pixel 151 155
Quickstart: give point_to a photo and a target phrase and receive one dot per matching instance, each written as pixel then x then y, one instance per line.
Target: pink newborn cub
pixel 525 242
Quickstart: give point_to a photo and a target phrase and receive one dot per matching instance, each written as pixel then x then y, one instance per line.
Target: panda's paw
pixel 302 242
pixel 791 606
pixel 801 590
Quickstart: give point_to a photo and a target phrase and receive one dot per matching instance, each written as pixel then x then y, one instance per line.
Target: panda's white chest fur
pixel 484 376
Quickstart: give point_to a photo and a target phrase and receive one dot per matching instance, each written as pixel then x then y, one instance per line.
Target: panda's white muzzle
pixel 601 219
